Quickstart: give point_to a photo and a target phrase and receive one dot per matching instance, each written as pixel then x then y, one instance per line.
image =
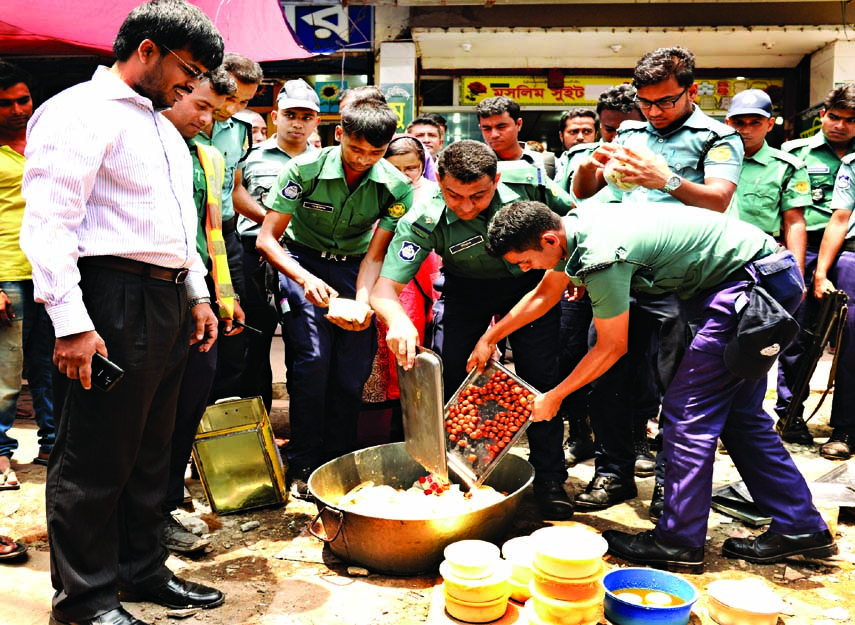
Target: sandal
pixel 16 549
pixel 8 479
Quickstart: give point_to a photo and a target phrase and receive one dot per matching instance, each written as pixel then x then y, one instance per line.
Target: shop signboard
pixel 330 26
pixel 399 96
pixel 808 122
pixel 714 95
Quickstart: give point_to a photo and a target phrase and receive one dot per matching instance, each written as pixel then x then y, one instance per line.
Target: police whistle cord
pixel 832 314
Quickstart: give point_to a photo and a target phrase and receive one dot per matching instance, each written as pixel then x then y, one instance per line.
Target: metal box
pixel 237 457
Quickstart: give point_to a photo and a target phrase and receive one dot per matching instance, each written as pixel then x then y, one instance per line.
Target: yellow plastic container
pixel 569 552
pixel 569 589
pixel 519 552
pixel 476 612
pixel 558 612
pixel 472 559
pixel 519 590
pixel 477 590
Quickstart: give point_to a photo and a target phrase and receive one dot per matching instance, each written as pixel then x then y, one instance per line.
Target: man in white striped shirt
pixel 110 229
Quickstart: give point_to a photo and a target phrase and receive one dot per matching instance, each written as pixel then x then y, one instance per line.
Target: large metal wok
pixel 405 547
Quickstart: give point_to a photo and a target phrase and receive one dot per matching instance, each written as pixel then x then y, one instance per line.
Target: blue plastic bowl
pixel 622 612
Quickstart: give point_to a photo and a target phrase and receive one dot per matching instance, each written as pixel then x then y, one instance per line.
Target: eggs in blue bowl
pixel 640 596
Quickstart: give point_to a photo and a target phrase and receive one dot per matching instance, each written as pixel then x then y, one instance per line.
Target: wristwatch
pixel 672 184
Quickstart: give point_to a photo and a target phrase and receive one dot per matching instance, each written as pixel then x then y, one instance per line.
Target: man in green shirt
pixel 188 115
pixel 822 154
pixel 477 287
pixel 774 187
pixel 720 384
pixel 327 204
pixel 233 138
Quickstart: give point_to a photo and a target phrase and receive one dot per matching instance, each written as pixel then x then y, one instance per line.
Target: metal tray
pixel 421 405
pixel 474 462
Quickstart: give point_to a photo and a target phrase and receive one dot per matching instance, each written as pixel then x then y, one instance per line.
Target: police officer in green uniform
pixel 187 115
pixel 477 287
pixel 773 187
pixel 296 117
pixel 720 384
pixel 679 156
pixel 233 138
pixel 577 127
pixel 614 107
pixel 327 203
pixel 822 154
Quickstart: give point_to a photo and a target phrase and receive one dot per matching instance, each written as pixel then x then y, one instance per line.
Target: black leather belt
pixel 814 239
pixel 229 225
pixel 310 251
pixel 135 267
pixel 848 246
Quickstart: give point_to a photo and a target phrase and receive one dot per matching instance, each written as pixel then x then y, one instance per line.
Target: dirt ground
pixel 274 572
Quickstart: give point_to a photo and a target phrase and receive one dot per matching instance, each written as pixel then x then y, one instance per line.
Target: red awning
pixel 254 28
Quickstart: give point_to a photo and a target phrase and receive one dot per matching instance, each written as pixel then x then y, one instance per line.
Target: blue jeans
pixel 30 338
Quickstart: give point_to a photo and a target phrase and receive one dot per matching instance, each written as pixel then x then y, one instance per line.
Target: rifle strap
pixel 841 321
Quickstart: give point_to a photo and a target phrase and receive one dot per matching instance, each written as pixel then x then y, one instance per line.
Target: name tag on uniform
pixel 318 206
pixel 818 169
pixel 465 245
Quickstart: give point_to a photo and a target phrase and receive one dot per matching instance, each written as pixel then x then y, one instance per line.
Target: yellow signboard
pixel 714 96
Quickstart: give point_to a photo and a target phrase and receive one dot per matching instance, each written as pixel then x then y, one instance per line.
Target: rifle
pixel 831 317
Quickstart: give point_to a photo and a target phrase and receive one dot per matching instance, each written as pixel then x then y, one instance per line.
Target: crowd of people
pixel 174 240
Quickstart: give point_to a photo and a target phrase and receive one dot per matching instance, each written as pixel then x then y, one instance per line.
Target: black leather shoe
pixel 646 549
pixel 838 447
pixel 797 433
pixel 578 450
pixel 604 491
pixel 118 616
pixel 769 547
pixel 177 594
pixel 645 462
pixel 657 502
pixel 553 501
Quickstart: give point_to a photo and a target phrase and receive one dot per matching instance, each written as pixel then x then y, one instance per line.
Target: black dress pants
pixel 107 475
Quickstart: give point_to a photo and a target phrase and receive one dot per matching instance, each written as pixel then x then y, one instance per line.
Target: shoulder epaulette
pixel 631 124
pixel 429 215
pixel 848 158
pixel 582 147
pixel 520 172
pixel 795 144
pixel 791 159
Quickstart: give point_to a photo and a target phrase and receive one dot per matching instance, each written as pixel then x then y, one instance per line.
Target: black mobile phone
pixel 105 374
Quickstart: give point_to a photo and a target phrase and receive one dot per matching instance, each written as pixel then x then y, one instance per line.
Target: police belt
pixel 323 255
pixel 135 267
pixel 229 225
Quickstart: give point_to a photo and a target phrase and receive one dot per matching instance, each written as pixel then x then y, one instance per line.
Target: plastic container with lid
pixel 472 559
pixel 558 612
pixel 519 552
pixel 743 602
pixel 569 589
pixel 519 590
pixel 568 551
pixel 476 612
pixel 477 590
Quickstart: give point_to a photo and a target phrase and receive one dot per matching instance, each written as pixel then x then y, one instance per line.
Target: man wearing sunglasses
pixel 678 155
pixel 823 154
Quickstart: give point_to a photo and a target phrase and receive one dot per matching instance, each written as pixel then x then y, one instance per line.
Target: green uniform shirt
pixel 460 243
pixel 260 171
pixel 673 249
pixel 200 199
pixel 569 161
pixel 532 183
pixel 700 148
pixel 771 183
pixel 232 139
pixel 325 215
pixel 843 197
pixel 822 164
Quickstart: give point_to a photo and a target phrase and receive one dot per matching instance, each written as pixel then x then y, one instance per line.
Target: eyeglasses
pixel 663 104
pixel 194 73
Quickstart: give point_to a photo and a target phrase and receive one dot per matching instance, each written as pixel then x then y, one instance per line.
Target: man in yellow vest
pixel 189 115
